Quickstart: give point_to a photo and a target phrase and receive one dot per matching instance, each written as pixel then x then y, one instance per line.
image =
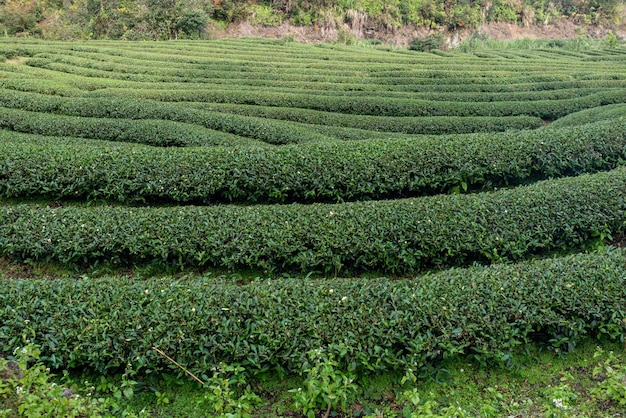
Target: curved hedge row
pixel 288 63
pixel 265 130
pixel 449 96
pixel 90 81
pixel 388 73
pixel 435 125
pixel 527 83
pixel 60 85
pixel 295 54
pixel 381 325
pixel 213 116
pixel 265 50
pixel 545 109
pixel 33 166
pixel 291 61
pixel 591 115
pixel 160 133
pixel 402 236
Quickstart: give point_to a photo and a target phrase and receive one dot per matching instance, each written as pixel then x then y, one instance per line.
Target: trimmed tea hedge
pixel 591 115
pixel 436 125
pixel 33 166
pixel 290 67
pixel 266 130
pixel 372 91
pixel 372 325
pixel 545 109
pixel 161 133
pixel 401 236
pixel 207 115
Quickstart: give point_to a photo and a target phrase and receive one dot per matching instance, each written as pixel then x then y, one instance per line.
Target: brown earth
pixel 360 29
pixel 15 61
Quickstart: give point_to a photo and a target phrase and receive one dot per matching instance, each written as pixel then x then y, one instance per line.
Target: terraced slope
pixel 287 158
pixel 260 122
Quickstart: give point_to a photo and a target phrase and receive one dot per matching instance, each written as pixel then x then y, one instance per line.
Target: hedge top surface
pixel 373 325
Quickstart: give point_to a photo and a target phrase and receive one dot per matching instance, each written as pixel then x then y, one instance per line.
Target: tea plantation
pixel 489 187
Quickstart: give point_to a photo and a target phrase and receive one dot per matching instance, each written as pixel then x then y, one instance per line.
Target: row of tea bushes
pixel 62 85
pixel 416 82
pixel 101 108
pixel 245 66
pixel 259 50
pixel 591 115
pixel 294 54
pixel 419 88
pixel 435 125
pixel 433 95
pixel 371 325
pixel 23 78
pixel 160 133
pixel 56 168
pixel 265 130
pixel 545 109
pixel 394 236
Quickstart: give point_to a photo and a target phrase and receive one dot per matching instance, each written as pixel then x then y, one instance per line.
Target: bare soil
pixel 361 29
pixel 15 61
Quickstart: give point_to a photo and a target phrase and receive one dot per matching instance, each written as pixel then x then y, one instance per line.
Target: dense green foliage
pixel 150 132
pixel 591 115
pixel 387 107
pixel 401 236
pixel 370 324
pixel 42 166
pixel 313 102
pixel 282 158
pixel 160 19
pixel 30 392
pixel 265 130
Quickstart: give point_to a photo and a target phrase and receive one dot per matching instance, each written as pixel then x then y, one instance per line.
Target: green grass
pixel 529 389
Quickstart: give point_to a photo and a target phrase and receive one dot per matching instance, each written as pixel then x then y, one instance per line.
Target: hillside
pixel 312 217
pixel 345 21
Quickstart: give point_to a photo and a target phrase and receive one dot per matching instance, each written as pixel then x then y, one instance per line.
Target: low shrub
pixel 613 387
pixel 58 168
pixel 435 125
pixel 427 44
pixel 365 325
pixel 394 236
pixel 269 131
pixel 160 133
pixel 545 109
pixel 27 390
pixel 592 115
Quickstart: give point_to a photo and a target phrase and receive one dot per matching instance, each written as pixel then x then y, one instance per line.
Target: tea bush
pixel 336 127
pixel 267 130
pixel 394 236
pixel 591 115
pixel 545 109
pixel 366 325
pixel 343 171
pixel 437 125
pixel 159 133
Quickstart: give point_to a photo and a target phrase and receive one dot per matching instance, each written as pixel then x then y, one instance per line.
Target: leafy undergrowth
pixel 588 382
